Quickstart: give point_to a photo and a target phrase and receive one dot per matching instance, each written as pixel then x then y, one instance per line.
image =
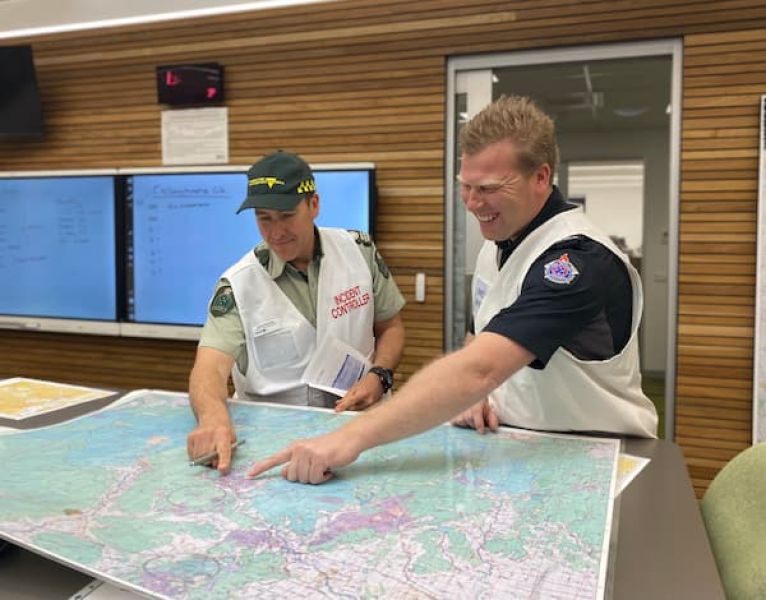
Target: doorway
pixel 617 114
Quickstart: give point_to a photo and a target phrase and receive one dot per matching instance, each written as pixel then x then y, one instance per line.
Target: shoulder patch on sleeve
pixel 222 302
pixel 561 271
pixel 382 266
pixel 360 237
pixel 264 256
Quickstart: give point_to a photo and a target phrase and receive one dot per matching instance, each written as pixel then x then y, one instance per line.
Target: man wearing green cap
pixel 280 308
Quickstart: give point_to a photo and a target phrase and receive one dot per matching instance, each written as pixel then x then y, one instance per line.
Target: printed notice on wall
pixel 195 136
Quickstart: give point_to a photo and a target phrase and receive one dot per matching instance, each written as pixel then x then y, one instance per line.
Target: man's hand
pixel 212 436
pixel 364 393
pixel 478 417
pixel 310 460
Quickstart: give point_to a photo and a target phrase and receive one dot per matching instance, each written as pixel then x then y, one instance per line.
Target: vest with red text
pixel 280 341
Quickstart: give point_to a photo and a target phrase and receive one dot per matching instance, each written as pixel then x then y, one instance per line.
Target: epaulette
pixel 360 237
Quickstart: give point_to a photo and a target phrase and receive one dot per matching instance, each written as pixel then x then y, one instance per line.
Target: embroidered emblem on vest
pixel 561 270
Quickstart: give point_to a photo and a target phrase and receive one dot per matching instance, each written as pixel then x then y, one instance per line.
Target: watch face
pixel 389 381
pixel 386 377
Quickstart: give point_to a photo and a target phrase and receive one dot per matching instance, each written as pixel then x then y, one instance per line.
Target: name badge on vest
pixel 479 292
pixel 274 346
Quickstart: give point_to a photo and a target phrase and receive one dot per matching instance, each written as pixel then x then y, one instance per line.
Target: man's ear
pixel 543 176
pixel 314 205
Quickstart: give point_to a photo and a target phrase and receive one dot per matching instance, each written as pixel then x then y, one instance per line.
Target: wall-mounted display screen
pixel 183 232
pixel 20 109
pixel 345 198
pixel 57 247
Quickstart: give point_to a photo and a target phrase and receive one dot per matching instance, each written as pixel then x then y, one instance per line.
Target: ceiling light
pixel 77 22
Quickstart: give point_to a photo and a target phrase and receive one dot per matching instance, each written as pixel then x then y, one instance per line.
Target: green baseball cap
pixel 278 181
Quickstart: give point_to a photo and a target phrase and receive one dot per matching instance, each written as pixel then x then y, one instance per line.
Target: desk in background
pixel 660 548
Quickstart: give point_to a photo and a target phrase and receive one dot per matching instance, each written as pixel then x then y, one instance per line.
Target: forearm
pixel 208 388
pixel 440 391
pixel 389 344
pixel 208 399
pixel 431 397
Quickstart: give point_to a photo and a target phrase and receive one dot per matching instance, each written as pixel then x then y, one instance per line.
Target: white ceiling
pixel 23 18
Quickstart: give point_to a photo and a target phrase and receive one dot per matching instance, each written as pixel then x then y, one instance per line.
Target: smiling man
pixel 300 288
pixel 556 313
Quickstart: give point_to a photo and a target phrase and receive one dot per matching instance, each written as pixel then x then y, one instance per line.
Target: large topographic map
pixel 447 514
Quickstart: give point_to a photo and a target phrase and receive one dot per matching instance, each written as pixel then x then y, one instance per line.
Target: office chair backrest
pixel 734 510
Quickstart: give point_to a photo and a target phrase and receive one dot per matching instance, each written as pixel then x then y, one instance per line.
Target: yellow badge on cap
pixel 269 181
pixel 307 186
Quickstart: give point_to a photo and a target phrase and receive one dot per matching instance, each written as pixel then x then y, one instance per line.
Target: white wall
pixel 614 194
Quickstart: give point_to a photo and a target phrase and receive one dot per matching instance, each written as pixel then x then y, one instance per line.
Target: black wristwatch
pixel 386 377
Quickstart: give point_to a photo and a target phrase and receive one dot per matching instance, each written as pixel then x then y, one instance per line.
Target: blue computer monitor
pixel 57 247
pixel 183 232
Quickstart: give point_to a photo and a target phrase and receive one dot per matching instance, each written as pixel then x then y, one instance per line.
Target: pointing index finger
pixel 224 455
pixel 280 458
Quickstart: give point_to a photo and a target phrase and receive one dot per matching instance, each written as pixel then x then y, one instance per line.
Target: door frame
pixel 664 47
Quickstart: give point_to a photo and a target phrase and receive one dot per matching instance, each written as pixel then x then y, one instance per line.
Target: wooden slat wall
pixel 724 77
pixel 365 80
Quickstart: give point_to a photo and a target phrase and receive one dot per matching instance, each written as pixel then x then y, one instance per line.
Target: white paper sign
pixel 195 136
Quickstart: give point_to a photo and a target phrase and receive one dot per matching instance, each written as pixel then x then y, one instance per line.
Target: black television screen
pixel 20 111
pixel 183 232
pixel 57 247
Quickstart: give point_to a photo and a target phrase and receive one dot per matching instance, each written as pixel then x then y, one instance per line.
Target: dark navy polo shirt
pixel 588 314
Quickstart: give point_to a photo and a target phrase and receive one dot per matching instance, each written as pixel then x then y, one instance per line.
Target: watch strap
pixel 386 377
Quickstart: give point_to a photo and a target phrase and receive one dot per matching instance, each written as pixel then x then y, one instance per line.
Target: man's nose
pixel 276 230
pixel 472 198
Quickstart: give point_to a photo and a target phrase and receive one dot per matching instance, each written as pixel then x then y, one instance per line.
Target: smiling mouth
pixel 487 218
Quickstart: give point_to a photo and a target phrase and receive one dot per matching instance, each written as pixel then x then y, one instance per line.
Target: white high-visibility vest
pixel 280 341
pixel 569 394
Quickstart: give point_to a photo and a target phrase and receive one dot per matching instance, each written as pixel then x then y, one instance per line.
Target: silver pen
pixel 206 459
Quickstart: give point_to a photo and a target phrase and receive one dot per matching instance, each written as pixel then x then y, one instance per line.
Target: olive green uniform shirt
pixel 223 329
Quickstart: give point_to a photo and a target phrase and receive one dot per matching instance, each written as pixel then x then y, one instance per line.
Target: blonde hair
pixel 519 120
